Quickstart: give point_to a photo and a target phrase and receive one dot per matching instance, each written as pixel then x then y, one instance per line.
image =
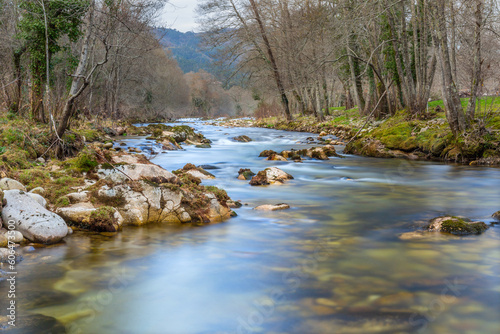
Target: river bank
pixel 400 136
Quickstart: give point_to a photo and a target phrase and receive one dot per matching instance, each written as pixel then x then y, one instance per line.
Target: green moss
pixel 106 166
pixel 103 220
pixel 221 194
pixel 84 162
pixel 458 226
pixel 90 135
pixel 15 159
pixel 12 136
pixel 62 202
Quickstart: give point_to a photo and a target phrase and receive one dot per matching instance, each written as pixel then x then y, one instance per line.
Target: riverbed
pixel 333 263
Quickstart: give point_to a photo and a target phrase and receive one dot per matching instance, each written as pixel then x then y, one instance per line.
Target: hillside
pixel 186 50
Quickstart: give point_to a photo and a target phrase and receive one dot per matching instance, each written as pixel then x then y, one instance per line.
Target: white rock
pixel 269 207
pixel 201 175
pixel 38 190
pixel 137 172
pixel 77 213
pixel 36 223
pixel 79 197
pixel 10 184
pixel 42 201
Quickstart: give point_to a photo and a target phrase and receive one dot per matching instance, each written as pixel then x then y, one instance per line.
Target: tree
pixel 238 25
pixel 42 24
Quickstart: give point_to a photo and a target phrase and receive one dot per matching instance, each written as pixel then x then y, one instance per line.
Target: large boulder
pixel 10 184
pixel 36 223
pixel 456 225
pixel 42 201
pixel 143 202
pixel 270 175
pixel 137 172
pixel 150 194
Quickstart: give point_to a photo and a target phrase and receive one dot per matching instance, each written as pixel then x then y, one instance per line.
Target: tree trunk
pixel 277 76
pixel 355 77
pixel 16 101
pixel 78 76
pixel 454 111
pixel 476 76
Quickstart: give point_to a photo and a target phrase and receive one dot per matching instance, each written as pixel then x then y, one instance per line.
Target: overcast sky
pixel 180 15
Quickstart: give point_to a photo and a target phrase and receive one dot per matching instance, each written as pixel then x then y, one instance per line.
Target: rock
pixel 4 257
pixel 77 214
pixel 38 190
pixel 105 219
pixel 85 215
pixel 234 204
pixel 456 225
pixel 323 134
pixel 267 153
pixel 36 223
pixel 134 150
pixel 143 203
pixel 318 153
pixel 10 184
pixel 198 172
pixel 269 207
pixel 42 201
pixel 245 174
pixel 107 145
pixel 40 160
pixel 170 146
pixel 137 172
pixel 208 167
pixel 120 130
pixel 13 236
pixel 270 175
pixel 276 157
pixel 4 242
pixel 413 235
pixel 80 197
pixel 203 146
pixel 243 139
pixel 154 195
pixel 496 215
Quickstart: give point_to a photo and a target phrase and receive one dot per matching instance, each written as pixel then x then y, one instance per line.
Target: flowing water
pixel 333 263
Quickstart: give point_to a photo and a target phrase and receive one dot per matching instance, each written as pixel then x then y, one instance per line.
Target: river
pixel 333 263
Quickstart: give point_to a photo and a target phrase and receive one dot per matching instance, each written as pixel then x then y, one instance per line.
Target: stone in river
pixel 270 207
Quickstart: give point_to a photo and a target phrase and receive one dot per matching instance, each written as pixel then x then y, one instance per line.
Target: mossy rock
pixel 104 219
pixel 221 194
pixel 267 153
pixel 245 174
pixel 496 215
pixel 459 226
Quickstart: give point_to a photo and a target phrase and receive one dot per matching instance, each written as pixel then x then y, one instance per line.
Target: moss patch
pixel 103 220
pixel 458 226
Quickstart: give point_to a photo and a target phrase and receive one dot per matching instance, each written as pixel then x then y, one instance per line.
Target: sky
pixel 180 15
